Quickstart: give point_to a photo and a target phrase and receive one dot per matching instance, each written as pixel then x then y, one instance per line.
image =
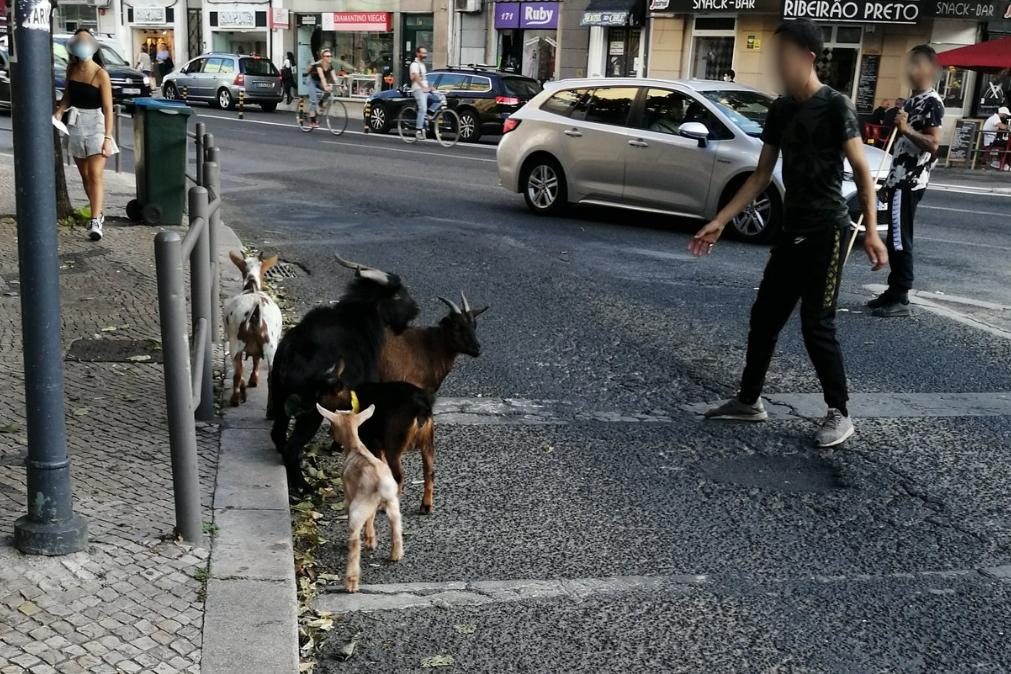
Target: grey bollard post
pixel 116 110
pixel 200 299
pixel 199 131
pixel 178 391
pixel 213 174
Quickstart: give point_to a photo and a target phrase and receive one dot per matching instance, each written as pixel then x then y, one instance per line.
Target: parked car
pixel 484 99
pixel 218 78
pixel 127 83
pixel 668 146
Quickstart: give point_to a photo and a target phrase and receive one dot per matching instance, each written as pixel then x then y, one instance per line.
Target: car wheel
pixel 544 187
pixel 169 91
pixel 379 119
pixel 224 99
pixel 470 127
pixel 760 220
pixel 268 107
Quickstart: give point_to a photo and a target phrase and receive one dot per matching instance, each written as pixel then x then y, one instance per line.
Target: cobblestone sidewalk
pixel 134 600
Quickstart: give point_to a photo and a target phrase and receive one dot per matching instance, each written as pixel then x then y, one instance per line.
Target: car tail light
pixel 509 125
pixel 507 100
pixel 240 80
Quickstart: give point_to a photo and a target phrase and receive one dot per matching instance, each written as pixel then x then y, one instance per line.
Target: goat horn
pixel 370 273
pixel 452 305
pixel 466 304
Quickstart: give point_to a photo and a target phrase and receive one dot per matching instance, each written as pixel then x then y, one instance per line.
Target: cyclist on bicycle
pixel 425 98
pixel 321 76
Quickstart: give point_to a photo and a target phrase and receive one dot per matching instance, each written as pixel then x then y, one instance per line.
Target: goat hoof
pixel 234 402
pixel 426 509
pixel 370 544
pixel 350 584
pixel 252 383
pixel 396 556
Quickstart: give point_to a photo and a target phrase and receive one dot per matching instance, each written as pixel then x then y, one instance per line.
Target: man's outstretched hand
pixel 704 240
pixel 876 251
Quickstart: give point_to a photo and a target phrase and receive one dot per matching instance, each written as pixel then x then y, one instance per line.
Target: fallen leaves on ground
pixel 465 628
pixel 437 661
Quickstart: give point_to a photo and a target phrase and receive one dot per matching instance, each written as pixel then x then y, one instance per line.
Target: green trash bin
pixel 159 159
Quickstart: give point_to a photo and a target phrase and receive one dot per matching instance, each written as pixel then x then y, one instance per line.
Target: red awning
pixel 985 56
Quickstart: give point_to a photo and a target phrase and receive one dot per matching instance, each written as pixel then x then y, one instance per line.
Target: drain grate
pixel 115 351
pixel 285 270
pixel 777 473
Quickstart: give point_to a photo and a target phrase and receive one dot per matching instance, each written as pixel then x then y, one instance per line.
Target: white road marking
pixel 963 210
pixel 971 244
pixel 965 189
pixel 924 300
pixel 444 155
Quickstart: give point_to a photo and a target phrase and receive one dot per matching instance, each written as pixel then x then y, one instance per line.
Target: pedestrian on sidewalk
pixel 144 61
pixel 288 77
pixel 918 136
pixel 87 103
pixel 814 127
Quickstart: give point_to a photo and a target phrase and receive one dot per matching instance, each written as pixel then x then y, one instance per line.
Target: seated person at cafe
pixel 889 120
pixel 878 116
pixel 995 123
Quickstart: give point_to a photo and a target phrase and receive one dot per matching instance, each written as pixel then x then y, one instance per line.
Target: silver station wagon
pixel 680 147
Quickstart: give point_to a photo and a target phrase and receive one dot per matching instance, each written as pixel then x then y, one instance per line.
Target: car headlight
pixel 147 81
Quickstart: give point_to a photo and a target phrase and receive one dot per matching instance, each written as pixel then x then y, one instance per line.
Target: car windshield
pixel 109 55
pixel 112 57
pixel 258 66
pixel 521 87
pixel 60 53
pixel 746 109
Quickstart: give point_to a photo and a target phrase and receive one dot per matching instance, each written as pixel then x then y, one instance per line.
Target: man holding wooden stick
pixel 918 135
pixel 814 127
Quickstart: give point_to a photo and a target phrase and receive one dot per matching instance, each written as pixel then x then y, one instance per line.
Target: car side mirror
pixel 696 131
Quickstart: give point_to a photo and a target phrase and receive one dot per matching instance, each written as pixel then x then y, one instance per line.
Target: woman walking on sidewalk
pixel 288 77
pixel 87 102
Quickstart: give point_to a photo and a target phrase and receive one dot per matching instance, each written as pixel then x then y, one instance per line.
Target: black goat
pixel 351 331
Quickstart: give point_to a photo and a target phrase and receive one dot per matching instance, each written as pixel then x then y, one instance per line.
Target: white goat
pixel 253 323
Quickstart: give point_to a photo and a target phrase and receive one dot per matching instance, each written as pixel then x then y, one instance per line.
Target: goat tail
pixel 254 319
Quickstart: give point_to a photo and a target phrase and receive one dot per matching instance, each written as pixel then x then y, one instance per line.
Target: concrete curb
pixel 251 614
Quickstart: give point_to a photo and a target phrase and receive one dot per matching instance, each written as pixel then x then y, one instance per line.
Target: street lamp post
pixel 51 526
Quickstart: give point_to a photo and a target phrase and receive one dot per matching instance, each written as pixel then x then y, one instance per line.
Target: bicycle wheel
pixel 447 127
pixel 302 118
pixel 336 117
pixel 406 121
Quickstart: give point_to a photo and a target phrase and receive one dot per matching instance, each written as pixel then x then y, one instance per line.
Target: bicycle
pixel 444 122
pixel 332 112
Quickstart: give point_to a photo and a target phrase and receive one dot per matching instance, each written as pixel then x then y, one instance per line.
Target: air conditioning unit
pixel 469 6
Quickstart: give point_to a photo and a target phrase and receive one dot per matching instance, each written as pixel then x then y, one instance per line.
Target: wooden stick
pixel 860 220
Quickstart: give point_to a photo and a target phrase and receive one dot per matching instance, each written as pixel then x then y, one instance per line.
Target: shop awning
pixel 984 56
pixel 613 13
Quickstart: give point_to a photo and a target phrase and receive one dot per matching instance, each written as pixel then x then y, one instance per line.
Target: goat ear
pixel 237 260
pixel 268 263
pixel 340 367
pixel 477 312
pixel 365 414
pixel 327 414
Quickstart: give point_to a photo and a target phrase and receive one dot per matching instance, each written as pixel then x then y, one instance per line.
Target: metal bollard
pixel 116 110
pixel 200 300
pixel 301 108
pixel 242 103
pixel 199 131
pixel 367 116
pixel 178 388
pixel 212 173
pixel 183 93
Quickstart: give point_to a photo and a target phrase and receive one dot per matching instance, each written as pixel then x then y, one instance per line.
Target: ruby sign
pixel 363 22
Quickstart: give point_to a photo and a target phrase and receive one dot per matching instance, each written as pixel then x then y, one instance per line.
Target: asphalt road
pixel 583 457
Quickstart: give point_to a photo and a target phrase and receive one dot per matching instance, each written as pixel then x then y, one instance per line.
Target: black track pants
pixel 805 268
pixel 901 212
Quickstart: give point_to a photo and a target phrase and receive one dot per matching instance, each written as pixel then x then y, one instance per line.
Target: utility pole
pixel 51 526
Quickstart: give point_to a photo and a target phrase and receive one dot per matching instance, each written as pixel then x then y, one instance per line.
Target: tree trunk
pixel 64 207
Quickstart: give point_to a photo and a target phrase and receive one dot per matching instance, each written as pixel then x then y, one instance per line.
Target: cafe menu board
pixel 963 142
pixel 867 83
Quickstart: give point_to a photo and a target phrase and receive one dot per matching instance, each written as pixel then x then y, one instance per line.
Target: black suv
pixel 483 98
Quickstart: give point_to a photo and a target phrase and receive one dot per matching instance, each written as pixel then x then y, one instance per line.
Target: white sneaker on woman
pixel 95 228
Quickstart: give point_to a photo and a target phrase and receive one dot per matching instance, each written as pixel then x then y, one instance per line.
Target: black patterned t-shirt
pixel 811 134
pixel 910 165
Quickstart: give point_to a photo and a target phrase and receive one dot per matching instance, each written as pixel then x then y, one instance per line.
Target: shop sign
pixel 307 20
pixel 236 18
pixel 716 6
pixel 539 15
pixel 856 11
pixel 358 22
pixel 613 18
pixel 279 18
pixel 151 14
pixel 507 15
pixel 980 10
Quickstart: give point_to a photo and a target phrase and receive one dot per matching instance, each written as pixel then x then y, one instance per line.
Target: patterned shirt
pixel 811 135
pixel 910 165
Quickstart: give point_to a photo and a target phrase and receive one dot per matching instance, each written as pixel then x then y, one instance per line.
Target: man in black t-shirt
pixel 814 127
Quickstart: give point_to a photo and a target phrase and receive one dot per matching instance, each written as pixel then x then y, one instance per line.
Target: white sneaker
pixel 419 135
pixel 95 228
pixel 835 429
pixel 738 411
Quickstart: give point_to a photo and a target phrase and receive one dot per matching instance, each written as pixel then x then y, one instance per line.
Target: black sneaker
pixel 893 310
pixel 881 300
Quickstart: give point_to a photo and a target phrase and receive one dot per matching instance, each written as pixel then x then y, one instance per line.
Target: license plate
pixel 133 91
pixel 264 85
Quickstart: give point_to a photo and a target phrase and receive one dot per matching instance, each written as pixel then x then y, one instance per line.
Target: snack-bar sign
pixel 855 11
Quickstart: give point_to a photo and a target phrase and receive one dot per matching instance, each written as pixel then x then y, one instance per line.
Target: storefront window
pixel 951 85
pixel 68 18
pixel 837 66
pixel 365 53
pixel 622 52
pixel 994 92
pixel 713 47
